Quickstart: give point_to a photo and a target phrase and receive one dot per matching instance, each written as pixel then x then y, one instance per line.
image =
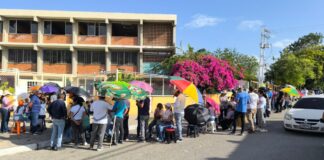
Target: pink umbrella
pixel 213 104
pixel 145 86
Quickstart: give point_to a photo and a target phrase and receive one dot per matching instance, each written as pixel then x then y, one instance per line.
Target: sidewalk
pixel 11 143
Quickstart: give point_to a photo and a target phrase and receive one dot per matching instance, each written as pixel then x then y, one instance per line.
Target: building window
pixel 92 29
pixel 124 58
pixel 1 28
pixel 23 27
pixel 57 28
pixel 91 57
pixel 129 30
pixel 57 56
pixel 22 56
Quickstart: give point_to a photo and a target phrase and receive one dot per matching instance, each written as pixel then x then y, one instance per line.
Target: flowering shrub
pixel 207 73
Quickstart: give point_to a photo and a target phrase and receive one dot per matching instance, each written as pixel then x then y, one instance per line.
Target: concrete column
pixel 141 37
pixel 4 63
pixel 174 35
pixel 140 62
pixel 108 61
pixel 40 62
pixel 5 33
pixel 74 62
pixel 75 32
pixel 40 30
pixel 108 33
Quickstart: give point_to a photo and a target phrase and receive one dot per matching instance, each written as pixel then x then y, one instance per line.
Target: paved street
pixel 276 144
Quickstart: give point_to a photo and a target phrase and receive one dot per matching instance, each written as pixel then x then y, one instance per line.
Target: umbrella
pixel 23 96
pixel 116 89
pixel 138 93
pixel 52 84
pixel 35 88
pixel 49 89
pixel 196 114
pixel 291 91
pixel 213 104
pixel 188 88
pixel 145 86
pixel 77 91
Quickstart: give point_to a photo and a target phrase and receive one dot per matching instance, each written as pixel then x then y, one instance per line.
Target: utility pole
pixel 265 35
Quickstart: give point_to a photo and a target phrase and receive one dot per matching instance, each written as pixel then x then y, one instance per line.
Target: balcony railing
pixel 62 39
pixel 22 38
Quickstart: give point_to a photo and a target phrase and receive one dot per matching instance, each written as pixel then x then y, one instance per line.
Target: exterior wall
pixel 62 39
pixel 57 68
pixel 23 66
pixel 90 68
pixel 158 34
pixel 127 68
pixel 121 40
pixel 23 38
pixel 92 39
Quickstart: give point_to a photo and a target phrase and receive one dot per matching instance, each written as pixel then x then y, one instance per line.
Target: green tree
pixel 244 63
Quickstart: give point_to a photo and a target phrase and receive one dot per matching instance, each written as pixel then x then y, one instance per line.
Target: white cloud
pixel 250 24
pixel 282 43
pixel 200 20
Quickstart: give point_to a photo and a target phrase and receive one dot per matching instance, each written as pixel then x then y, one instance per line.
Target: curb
pixel 33 146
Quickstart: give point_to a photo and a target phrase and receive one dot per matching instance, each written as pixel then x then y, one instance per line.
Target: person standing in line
pixel 279 102
pixel 76 114
pixel 35 105
pixel 261 110
pixel 138 129
pixel 120 109
pixel 125 123
pixel 7 106
pixel 252 108
pixel 242 99
pixel 100 110
pixel 144 116
pixel 179 106
pixel 57 110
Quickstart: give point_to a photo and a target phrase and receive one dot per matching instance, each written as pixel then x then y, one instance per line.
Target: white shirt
pixel 180 104
pixel 254 98
pixel 77 115
pixel 262 102
pixel 166 115
pixel 42 111
pixel 100 111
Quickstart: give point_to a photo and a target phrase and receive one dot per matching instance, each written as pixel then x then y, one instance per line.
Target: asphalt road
pixel 277 144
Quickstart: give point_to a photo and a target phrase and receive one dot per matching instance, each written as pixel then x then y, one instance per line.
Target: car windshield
pixel 310 103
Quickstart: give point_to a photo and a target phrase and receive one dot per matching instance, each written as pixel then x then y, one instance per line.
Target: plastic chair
pixel 17 127
pixel 170 135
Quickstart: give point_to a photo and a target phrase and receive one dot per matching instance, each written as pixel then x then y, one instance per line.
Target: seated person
pixel 20 113
pixel 229 118
pixel 166 121
pixel 158 113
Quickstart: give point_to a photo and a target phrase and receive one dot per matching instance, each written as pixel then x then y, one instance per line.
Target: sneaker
pixel 99 149
pixel 91 148
pixel 120 142
pixel 85 143
pixel 114 144
pixel 179 140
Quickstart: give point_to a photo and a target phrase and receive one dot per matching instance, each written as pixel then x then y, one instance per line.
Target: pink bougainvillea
pixel 207 72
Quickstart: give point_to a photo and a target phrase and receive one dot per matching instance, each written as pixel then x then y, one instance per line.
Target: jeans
pixel 125 126
pixel 77 132
pixel 119 130
pixel 178 119
pixel 138 129
pixel 144 126
pixel 162 127
pixel 57 132
pixel 4 120
pixel 150 128
pixel 34 121
pixel 236 116
pixel 97 130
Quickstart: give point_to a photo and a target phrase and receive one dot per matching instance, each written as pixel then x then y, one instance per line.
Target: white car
pixel 306 115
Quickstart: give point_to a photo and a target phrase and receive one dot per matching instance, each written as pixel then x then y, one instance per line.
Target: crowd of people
pixel 70 115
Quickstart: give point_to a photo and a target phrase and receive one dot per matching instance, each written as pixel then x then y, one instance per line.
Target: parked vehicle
pixel 306 115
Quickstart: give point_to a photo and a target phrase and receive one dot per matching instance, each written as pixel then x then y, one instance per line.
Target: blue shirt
pixel 242 98
pixel 269 94
pixel 36 104
pixel 119 108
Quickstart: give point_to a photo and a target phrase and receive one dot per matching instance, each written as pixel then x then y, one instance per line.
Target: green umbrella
pixel 138 93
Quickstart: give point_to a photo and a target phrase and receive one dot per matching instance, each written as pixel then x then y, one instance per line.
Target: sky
pixel 212 24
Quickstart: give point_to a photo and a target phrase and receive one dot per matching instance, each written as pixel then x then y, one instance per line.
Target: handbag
pixel 74 121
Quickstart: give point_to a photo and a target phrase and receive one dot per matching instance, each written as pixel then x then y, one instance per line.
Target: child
pixel 42 115
pixel 20 113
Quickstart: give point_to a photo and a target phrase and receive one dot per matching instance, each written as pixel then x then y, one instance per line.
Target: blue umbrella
pixel 49 89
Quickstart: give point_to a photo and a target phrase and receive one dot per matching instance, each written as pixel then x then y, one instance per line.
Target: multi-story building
pixel 76 43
